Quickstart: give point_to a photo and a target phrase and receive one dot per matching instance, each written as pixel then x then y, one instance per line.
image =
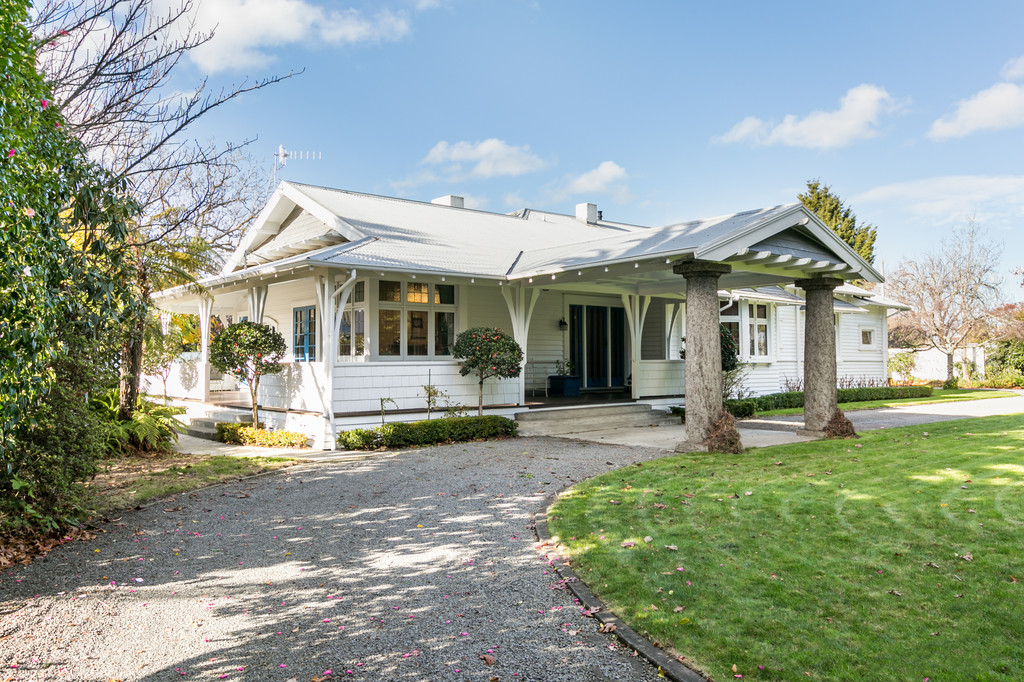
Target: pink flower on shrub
pixel 30 212
pixel 10 153
pixel 44 102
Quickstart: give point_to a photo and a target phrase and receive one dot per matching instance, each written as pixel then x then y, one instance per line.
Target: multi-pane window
pixel 730 318
pixel 444 333
pixel 415 319
pixel 757 314
pixel 352 337
pixel 304 339
pixel 750 327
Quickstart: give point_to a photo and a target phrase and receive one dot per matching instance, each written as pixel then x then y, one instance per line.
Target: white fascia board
pixel 731 244
pixel 259 227
pixel 321 213
pixel 598 264
pixel 285 198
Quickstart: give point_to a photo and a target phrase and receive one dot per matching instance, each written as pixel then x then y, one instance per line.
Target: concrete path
pixel 905 415
pixel 766 431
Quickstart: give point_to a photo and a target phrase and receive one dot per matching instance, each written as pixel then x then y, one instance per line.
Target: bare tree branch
pixel 950 291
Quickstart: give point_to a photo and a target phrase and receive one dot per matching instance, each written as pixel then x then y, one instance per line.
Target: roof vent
pixel 450 200
pixel 586 213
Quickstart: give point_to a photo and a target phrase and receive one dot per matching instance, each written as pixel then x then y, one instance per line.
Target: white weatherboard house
pixel 370 293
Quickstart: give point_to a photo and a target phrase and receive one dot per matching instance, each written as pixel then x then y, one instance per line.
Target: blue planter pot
pixel 563 385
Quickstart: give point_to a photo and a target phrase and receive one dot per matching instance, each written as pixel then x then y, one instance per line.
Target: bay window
pixel 415 319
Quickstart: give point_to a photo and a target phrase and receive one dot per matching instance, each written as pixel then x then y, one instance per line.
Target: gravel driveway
pixel 405 566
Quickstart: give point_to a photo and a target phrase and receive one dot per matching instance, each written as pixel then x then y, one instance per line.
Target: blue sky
pixel 656 111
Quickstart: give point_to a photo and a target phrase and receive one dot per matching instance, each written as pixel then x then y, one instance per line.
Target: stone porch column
pixel 819 353
pixel 703 370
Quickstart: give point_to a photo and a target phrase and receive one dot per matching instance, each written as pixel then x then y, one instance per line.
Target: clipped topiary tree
pixel 249 350
pixel 488 352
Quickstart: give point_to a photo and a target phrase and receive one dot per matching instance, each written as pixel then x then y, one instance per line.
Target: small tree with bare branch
pixel 110 63
pixel 950 292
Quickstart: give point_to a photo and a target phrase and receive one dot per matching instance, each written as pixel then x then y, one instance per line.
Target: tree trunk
pixel 480 400
pixel 253 387
pixel 949 366
pixel 131 370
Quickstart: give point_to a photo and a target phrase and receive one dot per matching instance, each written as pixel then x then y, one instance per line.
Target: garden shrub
pixel 358 439
pixel 245 434
pixel 151 428
pixel 793 399
pixel 42 488
pixel 427 432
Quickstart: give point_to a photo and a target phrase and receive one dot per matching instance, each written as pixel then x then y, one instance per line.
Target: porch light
pixel 563 325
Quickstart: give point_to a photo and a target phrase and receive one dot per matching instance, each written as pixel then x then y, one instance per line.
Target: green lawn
pixel 896 556
pixel 130 481
pixel 939 396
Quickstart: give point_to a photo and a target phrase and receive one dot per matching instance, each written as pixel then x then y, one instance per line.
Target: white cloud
pixel 246 31
pixel 997 108
pixel 599 180
pixel 751 128
pixel 951 199
pixel 1013 70
pixel 476 202
pixel 856 119
pixel 490 158
pixel 513 200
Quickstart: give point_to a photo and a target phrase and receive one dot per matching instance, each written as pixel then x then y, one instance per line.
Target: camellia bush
pixel 249 350
pixel 488 352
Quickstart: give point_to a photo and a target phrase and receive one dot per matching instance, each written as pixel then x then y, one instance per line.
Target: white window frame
pixel 404 307
pixel 351 308
pixel 873 345
pixel 743 319
pixel 750 321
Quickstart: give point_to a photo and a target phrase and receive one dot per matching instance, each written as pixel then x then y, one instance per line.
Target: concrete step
pixel 579 420
pixel 205 425
pixel 582 412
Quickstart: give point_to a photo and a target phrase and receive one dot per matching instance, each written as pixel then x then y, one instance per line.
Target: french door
pixel 598 347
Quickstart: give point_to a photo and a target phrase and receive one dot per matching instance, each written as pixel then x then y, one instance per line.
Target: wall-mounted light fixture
pixel 563 325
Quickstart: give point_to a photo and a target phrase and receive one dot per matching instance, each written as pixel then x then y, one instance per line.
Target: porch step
pixel 570 420
pixel 205 425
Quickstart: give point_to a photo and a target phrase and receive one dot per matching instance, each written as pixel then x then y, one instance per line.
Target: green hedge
pixel 428 432
pixel 790 399
pixel 245 434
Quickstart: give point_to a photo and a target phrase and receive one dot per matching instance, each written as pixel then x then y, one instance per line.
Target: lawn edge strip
pixel 672 668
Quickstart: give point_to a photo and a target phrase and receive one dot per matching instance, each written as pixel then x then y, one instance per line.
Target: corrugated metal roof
pixel 642 243
pixel 423 236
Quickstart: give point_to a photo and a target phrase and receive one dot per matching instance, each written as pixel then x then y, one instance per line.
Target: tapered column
pixel 520 304
pixel 703 368
pixel 819 353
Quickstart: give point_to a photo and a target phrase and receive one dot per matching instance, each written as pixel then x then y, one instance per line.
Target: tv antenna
pixel 282 155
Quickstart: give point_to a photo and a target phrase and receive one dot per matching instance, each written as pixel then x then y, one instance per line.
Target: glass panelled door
pixel 596 375
pixel 598 347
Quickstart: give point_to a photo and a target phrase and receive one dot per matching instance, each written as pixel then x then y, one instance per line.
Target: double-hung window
pixel 352 336
pixel 757 324
pixel 730 318
pixel 750 326
pixel 304 341
pixel 415 319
